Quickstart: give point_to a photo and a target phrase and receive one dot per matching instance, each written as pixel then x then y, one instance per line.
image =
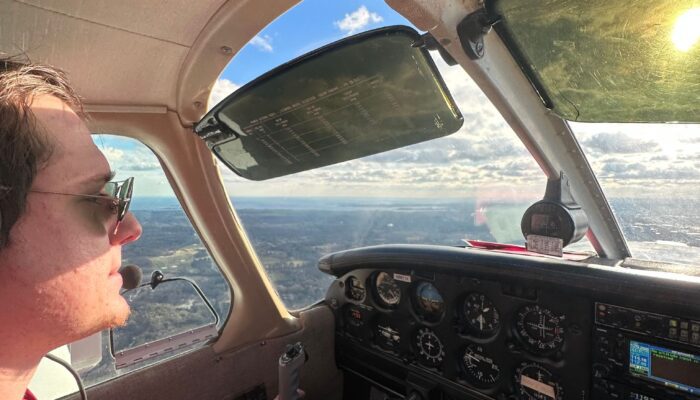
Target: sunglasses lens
pixel 125 197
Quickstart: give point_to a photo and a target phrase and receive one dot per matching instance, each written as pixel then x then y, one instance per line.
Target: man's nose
pixel 129 230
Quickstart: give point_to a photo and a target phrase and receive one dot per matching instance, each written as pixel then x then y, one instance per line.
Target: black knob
pixel 600 370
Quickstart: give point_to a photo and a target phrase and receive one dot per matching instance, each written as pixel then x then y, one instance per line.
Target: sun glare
pixel 686 32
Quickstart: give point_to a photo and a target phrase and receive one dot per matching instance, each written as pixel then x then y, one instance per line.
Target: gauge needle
pixel 471 357
pixel 541 327
pixel 481 321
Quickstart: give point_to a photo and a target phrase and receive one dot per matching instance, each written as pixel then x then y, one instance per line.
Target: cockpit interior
pixel 299 236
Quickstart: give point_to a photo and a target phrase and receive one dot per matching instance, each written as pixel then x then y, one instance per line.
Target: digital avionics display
pixel 669 367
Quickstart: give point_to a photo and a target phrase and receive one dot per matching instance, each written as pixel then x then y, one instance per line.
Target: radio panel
pixel 682 330
pixel 640 355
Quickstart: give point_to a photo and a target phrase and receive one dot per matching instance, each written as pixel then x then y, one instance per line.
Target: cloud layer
pixel 486 159
pixel 643 160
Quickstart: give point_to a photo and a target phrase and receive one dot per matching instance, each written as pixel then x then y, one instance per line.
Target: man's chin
pixel 120 314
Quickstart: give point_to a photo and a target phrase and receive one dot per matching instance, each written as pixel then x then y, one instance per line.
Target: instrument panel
pixel 437 322
pixel 488 337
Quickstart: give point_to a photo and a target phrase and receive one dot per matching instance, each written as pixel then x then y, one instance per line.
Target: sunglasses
pixel 117 197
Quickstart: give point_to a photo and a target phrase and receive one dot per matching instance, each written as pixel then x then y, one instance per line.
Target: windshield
pixel 474 184
pixel 651 176
pixel 602 60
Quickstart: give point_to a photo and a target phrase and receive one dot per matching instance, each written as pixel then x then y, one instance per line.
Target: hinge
pixel 471 32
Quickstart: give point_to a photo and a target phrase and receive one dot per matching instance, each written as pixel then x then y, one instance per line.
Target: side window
pixel 169 244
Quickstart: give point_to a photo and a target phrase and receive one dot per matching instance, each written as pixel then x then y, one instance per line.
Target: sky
pixel 484 160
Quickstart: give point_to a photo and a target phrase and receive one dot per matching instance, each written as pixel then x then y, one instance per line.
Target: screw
pixel 575 329
pixel 197 104
pixel 226 50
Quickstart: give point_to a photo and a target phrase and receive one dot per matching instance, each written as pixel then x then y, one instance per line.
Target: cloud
pixel 262 43
pixel 222 88
pixel 616 170
pixel 358 19
pixel 459 147
pixel 131 158
pixel 619 143
pixel 691 140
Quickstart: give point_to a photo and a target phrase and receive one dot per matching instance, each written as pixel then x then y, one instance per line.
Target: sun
pixel 686 32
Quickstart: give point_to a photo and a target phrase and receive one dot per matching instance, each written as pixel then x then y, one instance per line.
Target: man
pixel 61 225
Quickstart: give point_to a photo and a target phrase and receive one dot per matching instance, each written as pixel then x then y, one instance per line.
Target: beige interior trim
pixel 203 374
pixel 101 108
pixel 226 33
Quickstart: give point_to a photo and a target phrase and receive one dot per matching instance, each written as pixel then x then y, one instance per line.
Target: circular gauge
pixel 480 369
pixel 428 301
pixel 387 335
pixel 540 328
pixel 388 290
pixel 535 382
pixel 355 289
pixel 429 347
pixel 481 315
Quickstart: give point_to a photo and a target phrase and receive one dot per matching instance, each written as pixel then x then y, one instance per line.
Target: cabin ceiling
pixel 128 52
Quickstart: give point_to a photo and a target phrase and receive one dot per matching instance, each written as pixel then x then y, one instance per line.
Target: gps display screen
pixel 671 368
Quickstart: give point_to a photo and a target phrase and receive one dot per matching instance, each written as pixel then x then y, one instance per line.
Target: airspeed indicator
pixel 388 290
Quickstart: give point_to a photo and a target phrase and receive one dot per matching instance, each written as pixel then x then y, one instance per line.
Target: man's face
pixel 58 274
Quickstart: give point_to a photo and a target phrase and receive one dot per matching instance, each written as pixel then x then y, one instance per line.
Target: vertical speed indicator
pixel 480 369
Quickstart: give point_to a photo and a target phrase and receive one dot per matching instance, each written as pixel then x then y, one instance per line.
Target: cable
pixel 70 369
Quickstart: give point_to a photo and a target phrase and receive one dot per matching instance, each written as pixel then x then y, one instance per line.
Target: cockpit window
pixel 474 184
pixel 650 174
pixel 599 60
